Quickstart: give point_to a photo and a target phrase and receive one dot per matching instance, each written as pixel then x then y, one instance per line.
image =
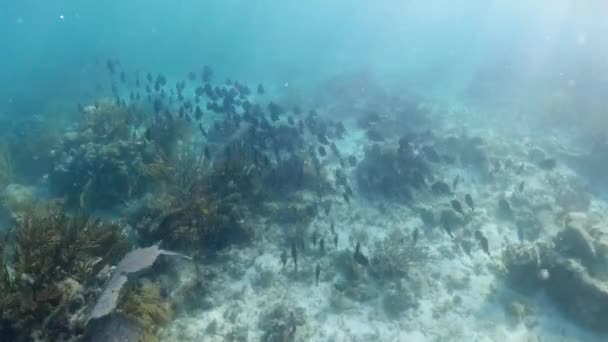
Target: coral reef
pixel 394 173
pixel 104 161
pixel 145 306
pixel 398 254
pixel 570 270
pixel 47 259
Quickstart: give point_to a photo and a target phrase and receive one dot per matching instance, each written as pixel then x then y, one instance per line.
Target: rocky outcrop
pixel 569 270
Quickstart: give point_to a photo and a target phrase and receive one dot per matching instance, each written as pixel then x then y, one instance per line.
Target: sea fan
pixel 135 261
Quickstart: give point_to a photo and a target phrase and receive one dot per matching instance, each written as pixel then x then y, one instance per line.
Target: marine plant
pixel 146 306
pixel 201 207
pixel 48 258
pixel 398 254
pixel 108 121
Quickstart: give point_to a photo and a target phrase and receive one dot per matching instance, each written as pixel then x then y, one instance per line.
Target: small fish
pixel 207 74
pixel 111 66
pixel 469 201
pixel 314 238
pixel 456 181
pixel 284 258
pixel 457 206
pixel 483 242
pixel 346 199
pixel 352 160
pixel 322 246
pixel 348 190
pixel 521 169
pixel 521 186
pixel 207 153
pixel 294 255
pixel 317 274
pixel 198 113
pixel 260 89
pixel 415 236
pixel 359 257
pixel 202 129
pixel 322 151
pixel 336 241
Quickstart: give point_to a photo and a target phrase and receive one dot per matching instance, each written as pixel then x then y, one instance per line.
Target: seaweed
pixel 398 254
pixel 54 256
pixel 145 305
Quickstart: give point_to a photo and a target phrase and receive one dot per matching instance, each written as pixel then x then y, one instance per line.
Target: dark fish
pixel 520 187
pixel 322 139
pixel 521 169
pixel 294 255
pixel 198 113
pixel 314 238
pixel 483 242
pixel 207 74
pixel 322 246
pixel 149 77
pixel 317 274
pixel 260 89
pixel 297 110
pixel 275 110
pixel 548 164
pixel 290 121
pixel 202 129
pixel 415 237
pixel 520 234
pixel 191 76
pixel 352 160
pixel 284 258
pixel 359 257
pixel 80 109
pixel 322 151
pixel 111 66
pixel 469 200
pixel 457 206
pixel 335 150
pixel 336 241
pixel 332 227
pixel 456 181
pixel 207 153
pixel 348 190
pixel 346 199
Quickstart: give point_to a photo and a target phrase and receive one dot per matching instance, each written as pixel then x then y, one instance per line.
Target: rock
pixel 504 209
pixel 522 263
pixel 580 295
pixel 574 242
pixel 573 200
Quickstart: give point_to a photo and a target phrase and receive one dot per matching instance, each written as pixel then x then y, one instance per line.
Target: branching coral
pixel 398 254
pixel 51 251
pixel 148 308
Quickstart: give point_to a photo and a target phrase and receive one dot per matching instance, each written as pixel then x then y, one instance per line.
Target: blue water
pixel 515 79
pixel 504 51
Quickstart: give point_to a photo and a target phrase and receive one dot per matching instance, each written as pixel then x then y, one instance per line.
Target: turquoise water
pixel 504 49
pixel 340 170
